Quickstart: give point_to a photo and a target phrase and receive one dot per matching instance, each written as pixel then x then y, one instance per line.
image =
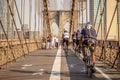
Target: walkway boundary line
pixel 55 73
pixel 99 70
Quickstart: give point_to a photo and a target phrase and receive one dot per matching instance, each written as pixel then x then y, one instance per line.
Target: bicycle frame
pixel 65 49
pixel 88 62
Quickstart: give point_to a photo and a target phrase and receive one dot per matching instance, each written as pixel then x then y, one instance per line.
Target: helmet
pixel 89 26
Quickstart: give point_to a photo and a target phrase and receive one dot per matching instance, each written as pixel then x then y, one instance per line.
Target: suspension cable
pixel 7 41
pixel 35 7
pixel 118 19
pixel 97 12
pixel 15 26
pixel 30 14
pixel 86 12
pixel 38 19
pixel 111 21
pixel 110 26
pixel 82 12
pixel 21 25
pixel 101 16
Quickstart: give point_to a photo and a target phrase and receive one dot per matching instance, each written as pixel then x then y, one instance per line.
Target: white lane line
pixel 55 74
pixel 25 66
pixel 100 71
pixel 40 72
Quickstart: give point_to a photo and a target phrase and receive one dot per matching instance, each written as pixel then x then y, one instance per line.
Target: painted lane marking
pixel 100 71
pixel 40 72
pixel 55 74
pixel 25 66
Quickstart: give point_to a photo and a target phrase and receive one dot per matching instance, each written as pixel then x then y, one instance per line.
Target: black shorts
pixel 89 42
pixel 66 40
pixel 77 41
pixel 74 40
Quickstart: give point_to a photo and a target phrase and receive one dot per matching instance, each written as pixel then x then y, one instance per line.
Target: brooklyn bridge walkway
pixel 25 26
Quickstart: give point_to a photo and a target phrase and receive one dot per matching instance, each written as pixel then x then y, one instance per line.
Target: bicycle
pixel 88 62
pixel 78 50
pixel 65 47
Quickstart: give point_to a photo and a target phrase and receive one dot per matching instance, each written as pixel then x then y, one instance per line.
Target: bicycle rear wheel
pixel 89 71
pixel 66 51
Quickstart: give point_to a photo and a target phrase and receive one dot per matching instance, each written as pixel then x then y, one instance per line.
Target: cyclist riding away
pixel 89 37
pixel 78 36
pixel 74 39
pixel 65 37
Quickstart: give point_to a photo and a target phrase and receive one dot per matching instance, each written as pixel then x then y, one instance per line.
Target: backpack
pixel 89 33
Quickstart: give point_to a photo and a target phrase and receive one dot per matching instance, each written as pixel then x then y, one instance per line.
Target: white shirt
pixel 65 35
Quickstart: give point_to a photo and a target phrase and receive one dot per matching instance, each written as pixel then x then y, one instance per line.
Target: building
pixel 108 14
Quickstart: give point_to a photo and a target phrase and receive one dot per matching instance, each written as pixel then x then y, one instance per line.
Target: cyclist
pixel 89 36
pixel 78 35
pixel 65 37
pixel 74 39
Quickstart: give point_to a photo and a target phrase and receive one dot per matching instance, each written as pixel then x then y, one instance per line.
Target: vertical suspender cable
pixel 22 10
pixel 35 38
pixel 38 19
pixel 110 26
pixel 86 12
pixel 7 40
pixel 21 26
pixel 35 19
pixel 15 27
pixel 101 16
pixel 97 13
pixel 30 14
pixel 118 53
pixel 82 12
pixel 78 14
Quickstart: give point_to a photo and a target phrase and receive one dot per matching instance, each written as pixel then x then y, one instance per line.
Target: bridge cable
pixel 118 53
pixel 21 25
pixel 97 13
pixel 35 5
pixel 86 12
pixel 100 17
pixel 82 12
pixel 15 26
pixel 30 14
pixel 109 26
pixel 8 41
